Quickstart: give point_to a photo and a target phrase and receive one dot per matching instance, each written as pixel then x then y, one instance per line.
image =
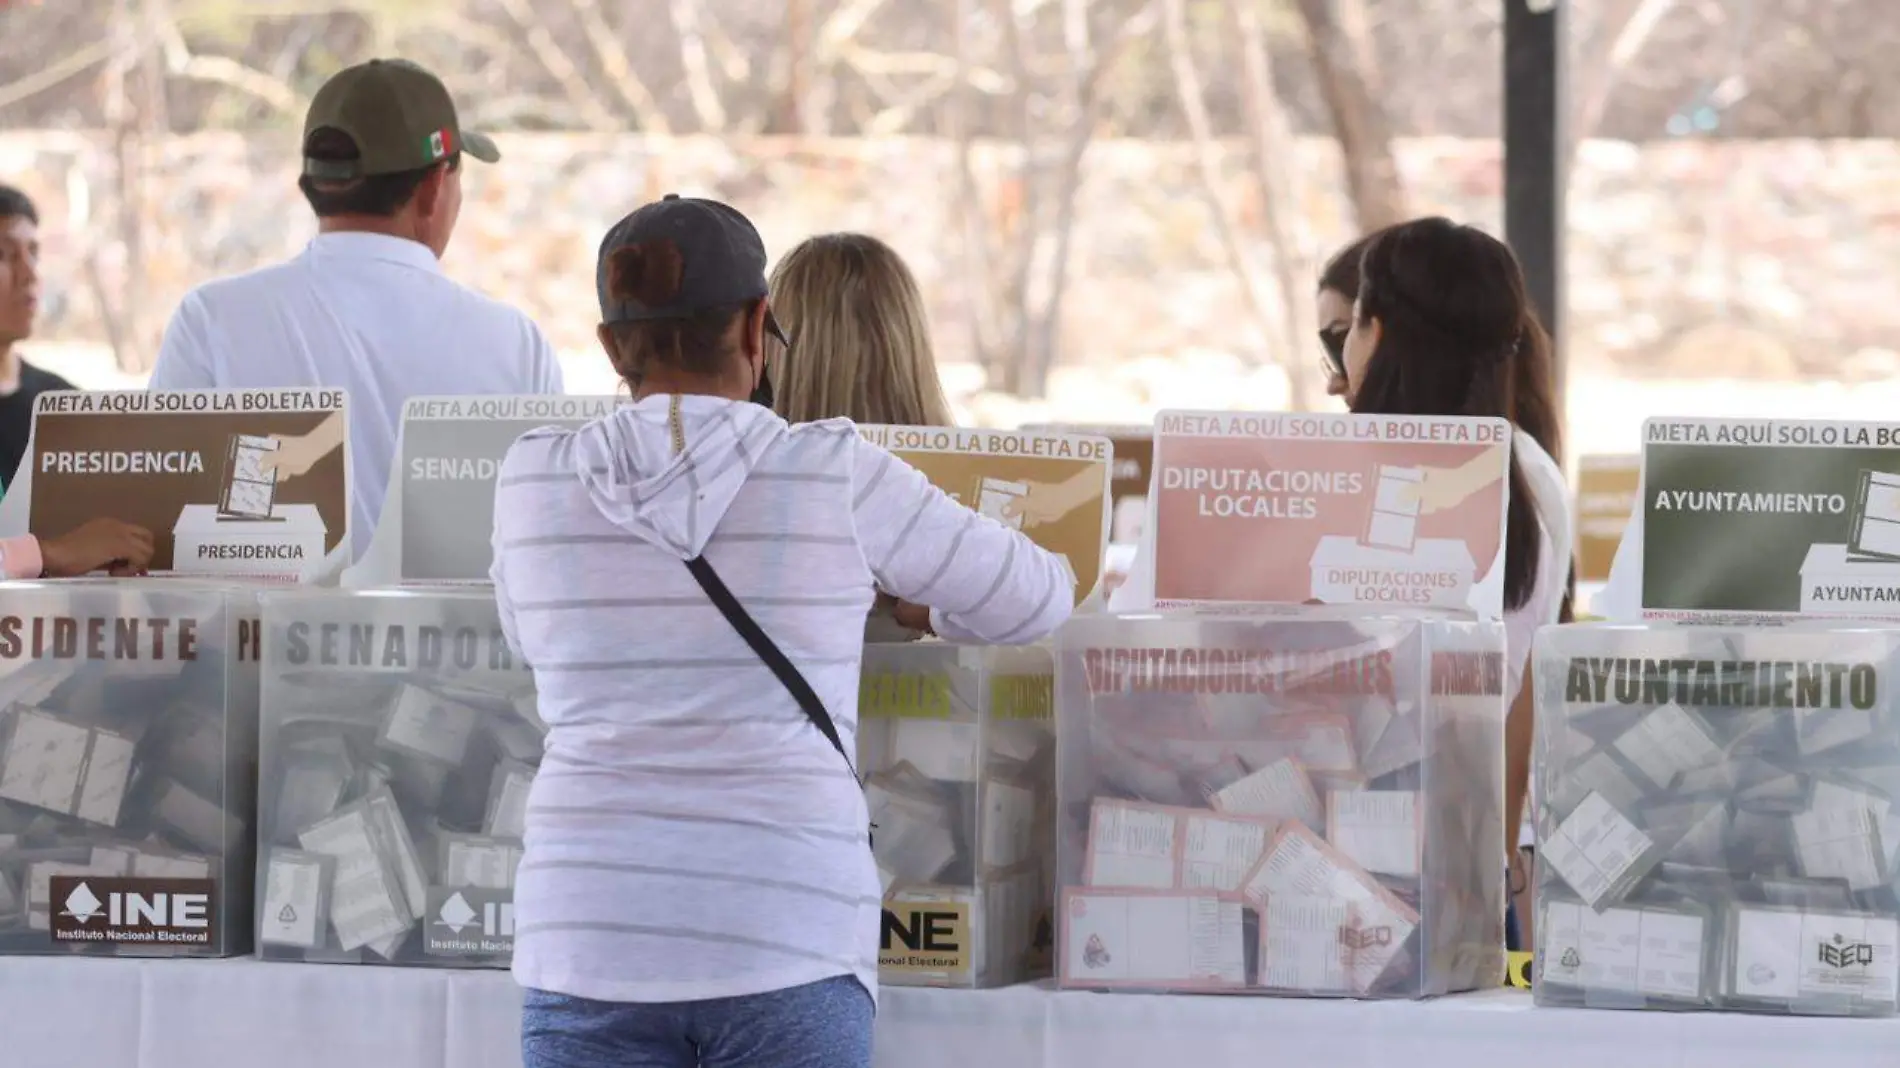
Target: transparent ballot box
pixel 128 713
pixel 399 740
pixel 957 747
pixel 1303 804
pixel 1714 811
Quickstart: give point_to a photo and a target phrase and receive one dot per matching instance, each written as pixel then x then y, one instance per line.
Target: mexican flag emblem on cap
pixel 440 144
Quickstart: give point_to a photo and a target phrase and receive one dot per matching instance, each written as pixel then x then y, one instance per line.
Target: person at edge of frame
pixel 100 544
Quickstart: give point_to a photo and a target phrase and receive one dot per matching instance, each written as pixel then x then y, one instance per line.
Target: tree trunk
pixel 1188 88
pixel 792 118
pixel 1276 158
pixel 1623 28
pixel 1346 65
pixel 981 310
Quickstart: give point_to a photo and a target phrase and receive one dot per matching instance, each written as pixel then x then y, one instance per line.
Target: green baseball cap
pixel 400 117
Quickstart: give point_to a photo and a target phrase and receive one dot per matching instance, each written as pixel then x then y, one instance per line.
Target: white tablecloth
pixel 81 1013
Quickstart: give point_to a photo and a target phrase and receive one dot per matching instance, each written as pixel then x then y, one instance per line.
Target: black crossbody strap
pixel 767 651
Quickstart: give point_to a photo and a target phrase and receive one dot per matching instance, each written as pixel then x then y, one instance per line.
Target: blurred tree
pixel 1346 62
pixel 1017 91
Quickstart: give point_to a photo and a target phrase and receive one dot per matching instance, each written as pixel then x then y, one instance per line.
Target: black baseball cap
pixel 400 116
pixel 722 258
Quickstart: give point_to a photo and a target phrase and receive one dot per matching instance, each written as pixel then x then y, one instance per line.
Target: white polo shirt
pixel 371 314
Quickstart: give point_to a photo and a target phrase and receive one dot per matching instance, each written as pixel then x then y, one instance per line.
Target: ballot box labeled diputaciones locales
pixel 1303 804
pixel 957 747
pixel 399 741
pixel 128 718
pixel 1715 822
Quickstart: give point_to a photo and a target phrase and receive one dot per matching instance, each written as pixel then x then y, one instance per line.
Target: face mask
pixel 762 393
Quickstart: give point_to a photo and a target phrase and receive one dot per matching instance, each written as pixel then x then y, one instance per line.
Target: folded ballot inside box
pixel 1304 804
pixel 128 713
pixel 399 741
pixel 1714 813
pixel 957 747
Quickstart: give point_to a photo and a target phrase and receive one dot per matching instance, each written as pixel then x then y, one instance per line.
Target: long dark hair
pixel 1458 336
pixel 1342 271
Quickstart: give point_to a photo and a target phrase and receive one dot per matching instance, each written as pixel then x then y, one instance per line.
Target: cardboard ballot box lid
pixel 1428 554
pixel 202 521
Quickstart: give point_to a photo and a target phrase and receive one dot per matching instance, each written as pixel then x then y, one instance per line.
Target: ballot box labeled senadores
pixel 1305 804
pixel 399 739
pixel 1715 824
pixel 957 747
pixel 128 713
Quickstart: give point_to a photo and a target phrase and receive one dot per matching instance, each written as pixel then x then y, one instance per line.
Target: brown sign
pixel 1607 487
pixel 134 911
pixel 1134 451
pixel 1052 487
pixel 229 482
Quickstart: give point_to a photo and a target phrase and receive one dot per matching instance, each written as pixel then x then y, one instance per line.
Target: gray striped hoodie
pixel 690 834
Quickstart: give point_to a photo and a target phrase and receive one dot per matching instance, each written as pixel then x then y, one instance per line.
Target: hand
pixel 1048 502
pixel 912 617
pixel 293 457
pixel 1034 508
pixel 1439 489
pixel 100 544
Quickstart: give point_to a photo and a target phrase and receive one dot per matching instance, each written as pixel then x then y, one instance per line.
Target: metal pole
pixel 1535 119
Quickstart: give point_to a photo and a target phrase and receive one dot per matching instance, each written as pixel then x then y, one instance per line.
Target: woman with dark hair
pixel 1432 318
pixel 1441 324
pixel 1338 292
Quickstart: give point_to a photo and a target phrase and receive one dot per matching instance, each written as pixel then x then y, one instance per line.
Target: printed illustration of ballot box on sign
pixel 1714 817
pixel 399 741
pixel 278 544
pixel 957 747
pixel 128 717
pixel 1308 805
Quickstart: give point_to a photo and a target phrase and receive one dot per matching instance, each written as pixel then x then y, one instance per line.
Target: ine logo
pixel 1841 953
pixel 496 919
pixel 171 912
pixel 82 905
pixel 469 921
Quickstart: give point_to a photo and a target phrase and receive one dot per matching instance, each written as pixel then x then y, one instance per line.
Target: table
pixel 65 1012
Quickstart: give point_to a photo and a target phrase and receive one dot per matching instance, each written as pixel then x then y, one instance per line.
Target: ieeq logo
pixel 167 912
pixel 1840 953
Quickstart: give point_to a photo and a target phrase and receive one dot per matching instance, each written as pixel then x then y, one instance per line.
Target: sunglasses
pixel 1333 341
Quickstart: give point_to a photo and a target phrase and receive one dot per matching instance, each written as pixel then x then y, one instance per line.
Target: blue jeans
pixel 825 1024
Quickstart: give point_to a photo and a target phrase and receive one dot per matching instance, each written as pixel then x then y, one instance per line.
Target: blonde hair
pixel 860 336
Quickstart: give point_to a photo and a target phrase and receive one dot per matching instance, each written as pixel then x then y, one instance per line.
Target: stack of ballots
pixel 957 745
pixel 1714 810
pixel 1309 804
pixel 399 741
pixel 128 713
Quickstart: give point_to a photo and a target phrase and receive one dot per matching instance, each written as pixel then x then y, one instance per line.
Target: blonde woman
pixel 856 319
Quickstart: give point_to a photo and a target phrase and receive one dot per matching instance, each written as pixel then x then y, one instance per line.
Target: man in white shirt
pixel 366 306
